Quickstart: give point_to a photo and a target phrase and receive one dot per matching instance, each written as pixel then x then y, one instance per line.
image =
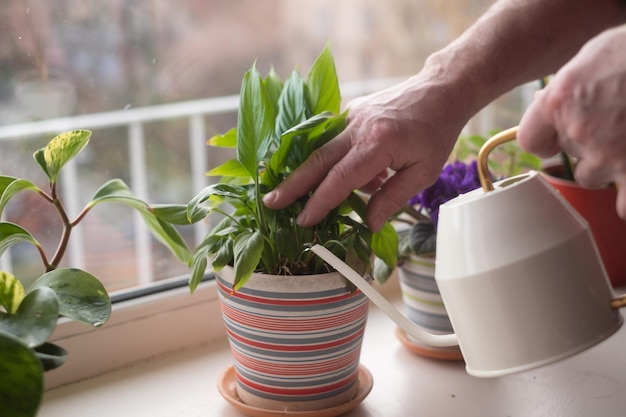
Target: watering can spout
pixel 413 330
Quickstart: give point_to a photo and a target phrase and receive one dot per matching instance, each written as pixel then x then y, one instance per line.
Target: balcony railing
pixel 134 120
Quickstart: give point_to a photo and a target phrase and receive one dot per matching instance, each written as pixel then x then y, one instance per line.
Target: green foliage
pixel 29 317
pixel 279 125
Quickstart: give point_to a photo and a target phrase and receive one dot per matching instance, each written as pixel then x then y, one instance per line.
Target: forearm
pixel 520 40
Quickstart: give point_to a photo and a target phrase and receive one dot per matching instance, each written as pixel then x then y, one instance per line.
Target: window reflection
pixel 68 58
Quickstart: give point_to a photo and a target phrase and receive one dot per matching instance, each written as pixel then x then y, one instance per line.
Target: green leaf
pixel 11 234
pixel 286 150
pixel 230 168
pixel 35 319
pixel 229 191
pixel 385 245
pixel 227 140
pixel 255 122
pixel 198 266
pixel 116 191
pixel 82 296
pixel 274 86
pixel 323 85
pixel 168 235
pixel 60 150
pixel 247 254
pixel 382 271
pixel 293 107
pixel 177 213
pixel 10 186
pixel 11 292
pixel 423 238
pixel 21 378
pixel 50 355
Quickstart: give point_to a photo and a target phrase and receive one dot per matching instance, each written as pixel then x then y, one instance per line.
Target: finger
pixel 308 175
pixel 394 194
pixel 621 199
pixel 375 183
pixel 537 133
pixel 592 173
pixel 354 171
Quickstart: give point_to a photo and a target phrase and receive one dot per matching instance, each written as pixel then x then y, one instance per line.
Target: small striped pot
pixel 420 294
pixel 295 341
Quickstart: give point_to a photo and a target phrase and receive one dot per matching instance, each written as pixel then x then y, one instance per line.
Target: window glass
pixel 111 66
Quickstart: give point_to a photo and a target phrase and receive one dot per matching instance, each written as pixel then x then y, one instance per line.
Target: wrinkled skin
pixel 583 112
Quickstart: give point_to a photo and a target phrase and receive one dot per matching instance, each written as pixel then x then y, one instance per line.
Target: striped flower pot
pixel 423 305
pixel 295 341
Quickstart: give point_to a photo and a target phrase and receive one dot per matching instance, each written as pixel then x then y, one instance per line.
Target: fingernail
pixel 302 218
pixel 269 198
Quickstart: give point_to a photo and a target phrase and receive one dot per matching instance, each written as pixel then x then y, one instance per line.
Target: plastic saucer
pixel 228 389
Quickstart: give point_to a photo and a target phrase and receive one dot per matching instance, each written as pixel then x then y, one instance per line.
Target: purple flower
pixel 456 178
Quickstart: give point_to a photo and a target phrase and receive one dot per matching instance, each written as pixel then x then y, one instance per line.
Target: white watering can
pixel 519 274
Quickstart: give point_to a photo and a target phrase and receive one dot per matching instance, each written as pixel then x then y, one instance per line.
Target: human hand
pixel 394 145
pixel 583 112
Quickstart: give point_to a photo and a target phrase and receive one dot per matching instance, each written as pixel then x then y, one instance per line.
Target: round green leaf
pixel 50 355
pixel 82 296
pixel 35 319
pixel 21 378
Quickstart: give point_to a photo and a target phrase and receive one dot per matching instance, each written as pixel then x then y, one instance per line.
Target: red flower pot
pixel 597 206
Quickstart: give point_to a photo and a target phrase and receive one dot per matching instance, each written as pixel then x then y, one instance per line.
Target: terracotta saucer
pixel 227 387
pixel 452 353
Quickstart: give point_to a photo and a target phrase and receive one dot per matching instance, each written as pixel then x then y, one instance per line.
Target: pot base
pixel 227 386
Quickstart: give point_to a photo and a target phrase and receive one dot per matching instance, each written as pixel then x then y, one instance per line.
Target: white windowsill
pixel 183 383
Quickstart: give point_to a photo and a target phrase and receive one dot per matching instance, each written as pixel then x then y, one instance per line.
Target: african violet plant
pixel 279 125
pixel 28 317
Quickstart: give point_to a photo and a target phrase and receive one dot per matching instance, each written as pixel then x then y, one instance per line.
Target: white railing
pixel 135 119
pixel 194 111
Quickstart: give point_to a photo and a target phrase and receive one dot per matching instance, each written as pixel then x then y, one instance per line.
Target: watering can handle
pixel 405 324
pixel 485 180
pixel 483 155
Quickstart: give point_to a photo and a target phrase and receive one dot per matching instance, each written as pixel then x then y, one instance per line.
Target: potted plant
pixel 28 316
pixel 294 325
pixel 418 237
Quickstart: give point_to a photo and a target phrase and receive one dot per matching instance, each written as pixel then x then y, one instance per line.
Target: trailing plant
pixel 28 316
pixel 279 125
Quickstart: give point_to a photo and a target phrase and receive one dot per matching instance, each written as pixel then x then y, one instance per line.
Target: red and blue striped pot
pixel 295 340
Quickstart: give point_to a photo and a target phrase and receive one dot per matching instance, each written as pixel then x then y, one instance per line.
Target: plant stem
pixel 414 213
pixel 67 230
pixel 568 171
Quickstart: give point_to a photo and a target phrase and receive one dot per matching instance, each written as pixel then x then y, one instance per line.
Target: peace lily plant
pixel 28 316
pixel 279 125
